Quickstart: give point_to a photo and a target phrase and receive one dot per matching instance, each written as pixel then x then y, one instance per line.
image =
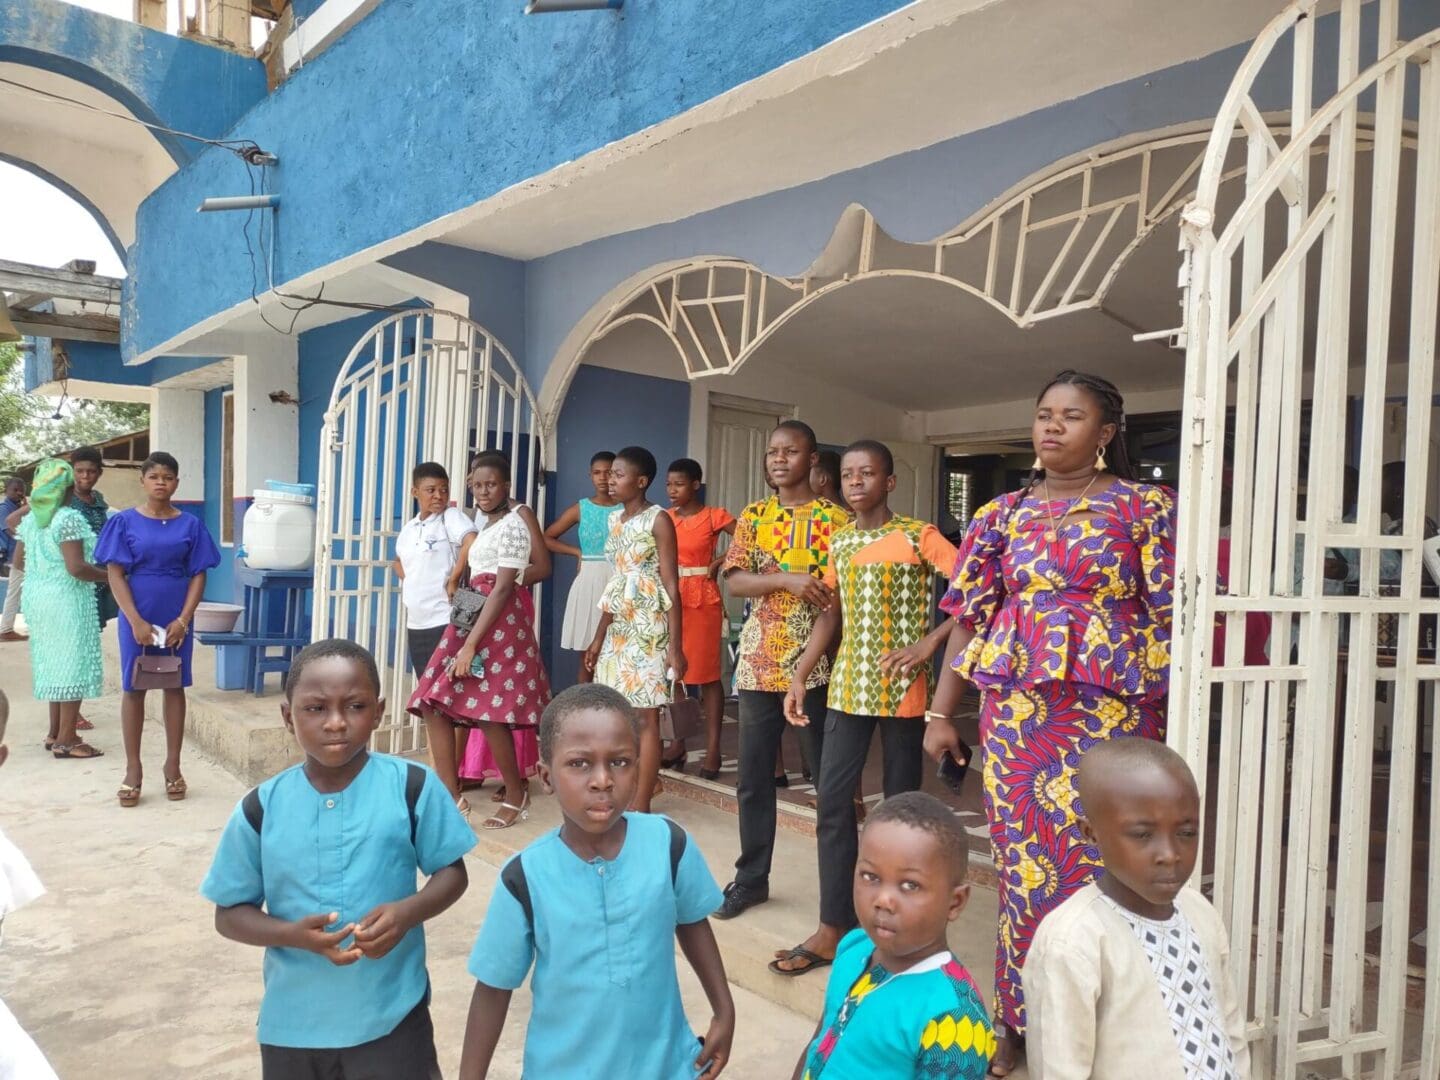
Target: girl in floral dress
pixel 637 646
pixel 493 677
pixel 1062 603
pixel 477 764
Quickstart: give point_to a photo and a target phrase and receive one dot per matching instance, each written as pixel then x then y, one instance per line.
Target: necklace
pixel 1053 533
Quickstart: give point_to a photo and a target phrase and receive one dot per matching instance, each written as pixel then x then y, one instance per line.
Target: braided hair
pixel 1112 411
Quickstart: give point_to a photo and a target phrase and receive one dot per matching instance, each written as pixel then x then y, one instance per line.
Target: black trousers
pixel 421 644
pixel 847 745
pixel 762 723
pixel 407 1053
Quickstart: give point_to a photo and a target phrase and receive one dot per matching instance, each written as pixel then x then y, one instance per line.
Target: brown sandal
pixel 128 796
pixel 175 789
pixel 80 750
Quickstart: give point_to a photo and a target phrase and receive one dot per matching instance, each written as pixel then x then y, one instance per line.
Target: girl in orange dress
pixel 697 527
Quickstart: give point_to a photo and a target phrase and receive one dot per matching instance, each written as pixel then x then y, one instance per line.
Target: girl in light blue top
pixel 591 518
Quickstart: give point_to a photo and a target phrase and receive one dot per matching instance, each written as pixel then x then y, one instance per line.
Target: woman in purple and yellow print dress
pixel 1061 601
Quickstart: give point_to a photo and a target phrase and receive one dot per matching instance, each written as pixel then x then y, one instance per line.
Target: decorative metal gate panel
pixel 1310 334
pixel 422 385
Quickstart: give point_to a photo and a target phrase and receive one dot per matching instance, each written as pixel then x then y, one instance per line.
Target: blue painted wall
pixel 220 582
pixel 605 411
pixel 162 79
pixel 375 138
pixel 96 362
pixel 495 286
pixel 915 196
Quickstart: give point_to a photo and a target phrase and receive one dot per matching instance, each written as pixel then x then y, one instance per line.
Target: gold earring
pixel 1100 458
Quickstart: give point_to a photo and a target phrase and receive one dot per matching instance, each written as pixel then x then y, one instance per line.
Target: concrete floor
pixel 118 970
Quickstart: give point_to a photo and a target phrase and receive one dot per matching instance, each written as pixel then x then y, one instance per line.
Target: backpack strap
pixel 414 785
pixel 253 809
pixel 512 876
pixel 514 880
pixel 677 849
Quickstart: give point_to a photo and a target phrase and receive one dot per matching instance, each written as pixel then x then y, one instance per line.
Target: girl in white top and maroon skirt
pixel 491 678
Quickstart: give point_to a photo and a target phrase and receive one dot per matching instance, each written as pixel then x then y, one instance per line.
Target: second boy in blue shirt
pixel 317 865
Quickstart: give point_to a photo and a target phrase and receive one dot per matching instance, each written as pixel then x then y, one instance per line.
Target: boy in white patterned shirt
pixel 1131 975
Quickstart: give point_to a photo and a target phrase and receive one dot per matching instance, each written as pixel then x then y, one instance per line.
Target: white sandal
pixel 494 821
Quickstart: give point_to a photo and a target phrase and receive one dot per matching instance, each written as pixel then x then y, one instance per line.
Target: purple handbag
pixel 156 671
pixel 680 718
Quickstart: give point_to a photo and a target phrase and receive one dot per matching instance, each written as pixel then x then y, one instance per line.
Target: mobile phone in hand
pixel 951 771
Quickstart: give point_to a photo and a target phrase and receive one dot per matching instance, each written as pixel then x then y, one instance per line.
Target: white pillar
pixel 177 426
pixel 267 432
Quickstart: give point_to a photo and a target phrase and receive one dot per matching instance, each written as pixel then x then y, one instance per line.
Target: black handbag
pixel 465 607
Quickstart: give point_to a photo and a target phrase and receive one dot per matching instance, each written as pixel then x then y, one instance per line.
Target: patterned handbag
pixel 465 607
pixel 680 717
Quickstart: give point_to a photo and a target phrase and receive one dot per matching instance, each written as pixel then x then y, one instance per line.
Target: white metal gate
pixel 1310 332
pixel 422 385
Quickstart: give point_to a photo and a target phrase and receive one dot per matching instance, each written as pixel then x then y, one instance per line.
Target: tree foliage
pixel 29 430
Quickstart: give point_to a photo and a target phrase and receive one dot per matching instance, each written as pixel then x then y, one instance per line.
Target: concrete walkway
pixel 118 972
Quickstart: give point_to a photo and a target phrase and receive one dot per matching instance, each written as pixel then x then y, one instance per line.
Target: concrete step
pixel 245 735
pixel 750 942
pixel 789 816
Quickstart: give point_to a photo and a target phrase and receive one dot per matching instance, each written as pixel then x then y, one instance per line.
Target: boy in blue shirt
pixel 317 865
pixel 899 1003
pixel 597 906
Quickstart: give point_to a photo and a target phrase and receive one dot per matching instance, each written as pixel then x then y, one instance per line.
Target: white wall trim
pixel 227 506
pixel 330 20
pixel 432 292
pixel 96 391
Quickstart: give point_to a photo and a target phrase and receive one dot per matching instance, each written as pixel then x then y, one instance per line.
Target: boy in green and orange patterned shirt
pixel 883 568
pixel 778 558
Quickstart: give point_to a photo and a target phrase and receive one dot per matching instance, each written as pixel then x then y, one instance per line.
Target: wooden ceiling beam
pixel 47 281
pixel 104 329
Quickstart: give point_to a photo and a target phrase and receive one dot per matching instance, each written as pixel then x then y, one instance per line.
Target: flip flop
pixel 79 750
pixel 799 952
pixel 1001 1034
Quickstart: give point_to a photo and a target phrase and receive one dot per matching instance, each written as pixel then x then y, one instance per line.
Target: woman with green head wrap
pixel 56 547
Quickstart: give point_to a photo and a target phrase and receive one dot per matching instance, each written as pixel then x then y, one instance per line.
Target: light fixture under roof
pixel 546 7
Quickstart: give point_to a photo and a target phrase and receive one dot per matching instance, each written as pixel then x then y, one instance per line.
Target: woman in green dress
pixel 56 545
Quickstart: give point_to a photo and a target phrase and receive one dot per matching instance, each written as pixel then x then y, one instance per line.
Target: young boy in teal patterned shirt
pixel 899 1003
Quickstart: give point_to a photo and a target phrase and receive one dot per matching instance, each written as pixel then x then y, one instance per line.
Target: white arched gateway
pixel 1311 330
pixel 422 385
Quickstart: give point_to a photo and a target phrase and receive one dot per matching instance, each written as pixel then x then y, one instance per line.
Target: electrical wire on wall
pixel 267 257
pixel 254 158
pixel 246 149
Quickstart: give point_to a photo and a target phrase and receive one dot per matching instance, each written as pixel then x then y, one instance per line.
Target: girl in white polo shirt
pixel 430 553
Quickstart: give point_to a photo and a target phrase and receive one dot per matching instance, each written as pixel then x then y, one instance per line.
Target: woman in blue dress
pixel 156 556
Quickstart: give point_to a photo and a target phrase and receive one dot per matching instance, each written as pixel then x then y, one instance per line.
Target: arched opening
pixel 939 348
pixel 78 130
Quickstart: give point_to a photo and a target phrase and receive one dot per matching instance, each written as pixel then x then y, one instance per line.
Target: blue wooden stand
pixel 274 618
